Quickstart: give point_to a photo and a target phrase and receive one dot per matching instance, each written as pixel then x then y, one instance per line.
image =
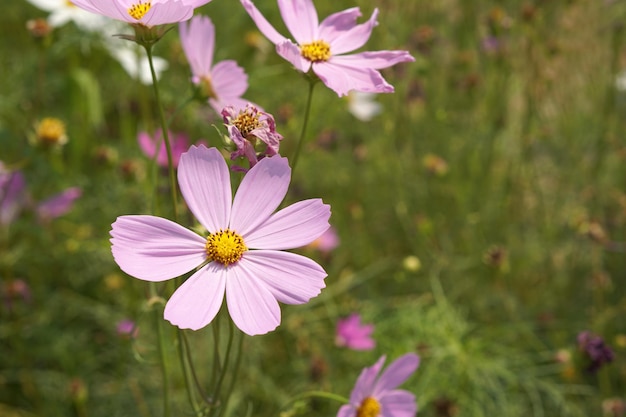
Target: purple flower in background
pixel 322 46
pixel 351 333
pixel 151 145
pixel 223 83
pixel 375 393
pixel 58 205
pixel 595 350
pixel 250 129
pixel 127 328
pixel 12 194
pixel 253 281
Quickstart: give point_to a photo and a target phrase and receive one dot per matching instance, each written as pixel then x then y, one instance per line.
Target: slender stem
pixel 307 112
pixel 318 394
pixel 164 131
pixel 183 352
pixel 218 387
pixel 162 356
pixel 235 371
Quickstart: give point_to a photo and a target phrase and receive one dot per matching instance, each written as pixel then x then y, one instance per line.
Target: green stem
pixel 316 394
pixel 162 356
pixel 307 112
pixel 218 387
pixel 183 352
pixel 164 131
pixel 235 372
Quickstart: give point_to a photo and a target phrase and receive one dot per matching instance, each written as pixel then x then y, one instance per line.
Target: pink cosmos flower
pixel 252 281
pixel 12 194
pixel 354 335
pixel 58 205
pixel 225 82
pixel 376 395
pixel 143 12
pixel 321 46
pixel 246 127
pixel 151 145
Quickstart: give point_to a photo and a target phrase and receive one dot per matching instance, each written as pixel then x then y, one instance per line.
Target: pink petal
pixel 198 41
pixel 291 52
pixel 229 80
pixel 237 103
pixel 204 181
pixel 396 373
pixel 374 59
pixel 58 204
pixel 342 32
pixel 341 78
pixel 365 383
pixel 300 17
pixel 292 227
pixel 398 403
pixel 196 302
pixel 262 24
pixel 168 12
pixel 155 249
pixel 251 306
pixel 291 278
pixel 147 144
pixel 261 191
pixel 347 410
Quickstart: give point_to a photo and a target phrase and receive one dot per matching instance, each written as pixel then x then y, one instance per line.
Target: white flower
pixel 363 105
pixel 63 11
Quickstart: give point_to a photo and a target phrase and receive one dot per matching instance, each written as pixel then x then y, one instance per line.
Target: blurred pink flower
pixel 246 127
pixel 143 12
pixel 375 393
pixel 12 194
pixel 327 242
pixel 354 335
pixel 156 249
pixel 151 145
pixel 127 328
pixel 321 46
pixel 223 83
pixel 58 205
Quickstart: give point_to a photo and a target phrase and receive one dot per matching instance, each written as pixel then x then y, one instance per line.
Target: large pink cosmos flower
pixel 143 12
pixel 321 46
pixel 376 395
pixel 353 334
pixel 156 249
pixel 225 82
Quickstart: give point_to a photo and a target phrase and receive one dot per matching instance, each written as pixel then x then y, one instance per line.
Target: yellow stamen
pixel 246 122
pixel 137 11
pixel 51 131
pixel 316 51
pixel 225 247
pixel 368 408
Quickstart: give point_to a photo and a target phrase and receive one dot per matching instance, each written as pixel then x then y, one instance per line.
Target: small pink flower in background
pixel 246 127
pixel 151 145
pixel 12 194
pixel 58 205
pixel 127 329
pixel 375 393
pixel 143 12
pixel 321 46
pixel 223 83
pixel 252 281
pixel 327 242
pixel 352 334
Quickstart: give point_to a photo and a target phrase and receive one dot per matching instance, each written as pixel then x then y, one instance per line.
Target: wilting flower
pixel 596 351
pixel 253 132
pixel 12 194
pixel 223 83
pixel 321 46
pixel 62 12
pixel 351 333
pixel 156 249
pixel 154 145
pixel 363 106
pixel 143 12
pixel 58 205
pixel 376 395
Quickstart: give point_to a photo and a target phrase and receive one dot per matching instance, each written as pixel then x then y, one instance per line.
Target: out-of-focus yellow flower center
pixel 368 408
pixel 246 122
pixel 68 3
pixel 51 131
pixel 225 247
pixel 316 51
pixel 137 11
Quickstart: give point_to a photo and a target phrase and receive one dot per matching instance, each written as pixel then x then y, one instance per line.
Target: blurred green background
pixel 481 215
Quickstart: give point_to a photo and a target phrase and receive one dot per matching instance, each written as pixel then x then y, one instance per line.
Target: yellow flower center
pixel 316 51
pixel 137 11
pixel 68 3
pixel 246 122
pixel 225 247
pixel 51 130
pixel 369 408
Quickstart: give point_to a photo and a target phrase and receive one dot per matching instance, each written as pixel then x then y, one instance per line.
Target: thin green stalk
pixel 235 371
pixel 307 112
pixel 316 394
pixel 218 387
pixel 164 131
pixel 163 359
pixel 185 358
